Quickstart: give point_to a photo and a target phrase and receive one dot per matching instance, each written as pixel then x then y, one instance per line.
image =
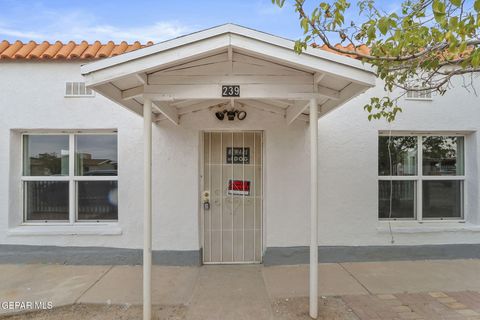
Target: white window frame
pixel 419 178
pixel 71 178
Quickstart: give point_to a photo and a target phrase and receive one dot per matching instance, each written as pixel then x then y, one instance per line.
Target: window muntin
pixel 70 190
pixel 436 177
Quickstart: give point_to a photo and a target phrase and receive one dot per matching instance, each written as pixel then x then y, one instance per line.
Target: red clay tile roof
pixel 85 51
pixel 69 51
pixel 362 49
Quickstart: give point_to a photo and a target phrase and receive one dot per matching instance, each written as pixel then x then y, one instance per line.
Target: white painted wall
pixel 33 98
pixel 348 145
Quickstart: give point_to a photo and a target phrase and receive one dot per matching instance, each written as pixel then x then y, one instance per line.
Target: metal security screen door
pixel 232 197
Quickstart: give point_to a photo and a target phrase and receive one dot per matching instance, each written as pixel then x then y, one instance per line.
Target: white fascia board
pixel 187 52
pixel 235 33
pixel 153 49
pixel 353 71
pixel 289 44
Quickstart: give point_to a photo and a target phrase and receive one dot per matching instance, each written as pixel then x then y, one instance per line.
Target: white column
pixel 147 210
pixel 313 208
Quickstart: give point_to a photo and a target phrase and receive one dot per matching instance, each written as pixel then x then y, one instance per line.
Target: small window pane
pixel 96 155
pixel 400 152
pixel 401 199
pixel 45 155
pixel 97 200
pixel 442 199
pixel 46 200
pixel 443 156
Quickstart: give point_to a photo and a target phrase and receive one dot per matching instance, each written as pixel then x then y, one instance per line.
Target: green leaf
pixel 476 5
pixel 456 3
pixel 383 25
pixel 476 59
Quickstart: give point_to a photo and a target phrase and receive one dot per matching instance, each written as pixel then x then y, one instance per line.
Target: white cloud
pixel 81 25
pixel 157 32
pixel 20 34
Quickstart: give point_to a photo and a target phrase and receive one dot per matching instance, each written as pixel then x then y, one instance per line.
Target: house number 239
pixel 230 91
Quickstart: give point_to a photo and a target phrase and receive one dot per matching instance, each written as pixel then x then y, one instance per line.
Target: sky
pixel 142 20
pixel 131 20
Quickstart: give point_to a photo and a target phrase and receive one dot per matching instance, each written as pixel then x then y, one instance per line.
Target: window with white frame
pixel 59 187
pixel 421 177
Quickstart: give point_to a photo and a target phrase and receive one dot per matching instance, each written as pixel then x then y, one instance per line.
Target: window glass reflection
pixel 399 196
pixel 442 199
pixel 96 155
pixel 97 200
pixel 45 155
pixel 443 156
pixel 46 200
pixel 400 152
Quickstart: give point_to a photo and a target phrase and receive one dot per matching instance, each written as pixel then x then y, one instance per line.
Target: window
pixel 77 89
pixel 421 177
pixel 59 187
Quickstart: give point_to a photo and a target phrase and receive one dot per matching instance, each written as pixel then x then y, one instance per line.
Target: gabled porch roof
pixel 185 74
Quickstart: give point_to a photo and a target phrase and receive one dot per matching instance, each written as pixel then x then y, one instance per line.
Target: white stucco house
pixel 233 167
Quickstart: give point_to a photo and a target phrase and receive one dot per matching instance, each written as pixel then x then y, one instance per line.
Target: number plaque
pixel 231 91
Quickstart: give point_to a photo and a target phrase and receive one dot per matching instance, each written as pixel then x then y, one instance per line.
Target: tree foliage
pixel 419 47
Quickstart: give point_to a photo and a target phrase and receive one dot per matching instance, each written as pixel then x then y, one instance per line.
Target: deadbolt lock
pixel 206 200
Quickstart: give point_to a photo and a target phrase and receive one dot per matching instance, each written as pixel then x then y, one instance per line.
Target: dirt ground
pixel 331 308
pixel 101 312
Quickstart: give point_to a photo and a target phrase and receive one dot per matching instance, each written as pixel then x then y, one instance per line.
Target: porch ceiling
pixel 185 75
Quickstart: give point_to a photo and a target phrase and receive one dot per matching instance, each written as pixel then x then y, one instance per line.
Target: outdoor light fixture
pixel 231 114
pixel 220 115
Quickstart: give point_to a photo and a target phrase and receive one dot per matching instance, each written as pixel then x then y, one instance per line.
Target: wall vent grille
pixel 419 95
pixel 77 89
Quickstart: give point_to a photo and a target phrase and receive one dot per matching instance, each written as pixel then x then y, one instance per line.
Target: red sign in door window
pixel 239 187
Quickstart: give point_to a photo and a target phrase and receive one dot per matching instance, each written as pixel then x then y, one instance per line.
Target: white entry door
pixel 232 197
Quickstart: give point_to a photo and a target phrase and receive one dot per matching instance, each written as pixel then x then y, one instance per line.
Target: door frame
pixel 201 211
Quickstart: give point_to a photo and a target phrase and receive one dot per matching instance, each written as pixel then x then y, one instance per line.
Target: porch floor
pixel 440 289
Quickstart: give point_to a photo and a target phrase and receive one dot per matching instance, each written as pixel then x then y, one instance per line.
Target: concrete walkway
pixel 245 292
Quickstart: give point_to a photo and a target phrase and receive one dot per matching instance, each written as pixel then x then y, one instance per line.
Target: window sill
pixel 400 227
pixel 66 230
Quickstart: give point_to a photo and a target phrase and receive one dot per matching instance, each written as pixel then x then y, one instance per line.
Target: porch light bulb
pixel 241 115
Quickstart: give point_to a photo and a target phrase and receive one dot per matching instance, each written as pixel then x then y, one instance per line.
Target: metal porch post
pixel 313 208
pixel 147 213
